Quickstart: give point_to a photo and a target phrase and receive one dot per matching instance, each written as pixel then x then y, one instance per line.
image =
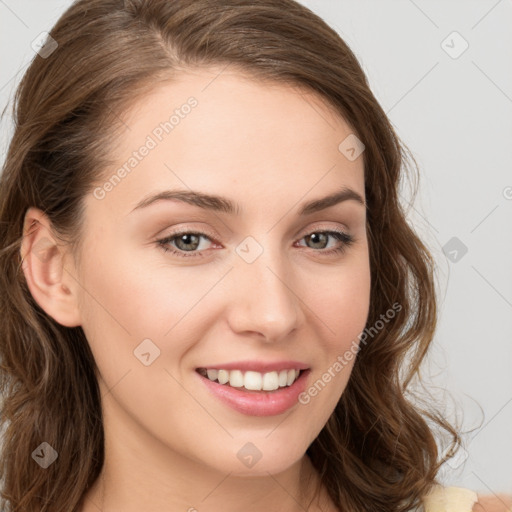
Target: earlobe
pixel 47 277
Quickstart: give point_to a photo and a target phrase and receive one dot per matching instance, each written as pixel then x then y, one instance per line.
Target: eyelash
pixel 341 236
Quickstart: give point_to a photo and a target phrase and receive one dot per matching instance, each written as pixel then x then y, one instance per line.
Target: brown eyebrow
pixel 222 204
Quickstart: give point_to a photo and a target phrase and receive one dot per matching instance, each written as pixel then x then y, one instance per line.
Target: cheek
pixel 139 294
pixel 340 310
pixel 128 300
pixel 341 299
pixel 340 305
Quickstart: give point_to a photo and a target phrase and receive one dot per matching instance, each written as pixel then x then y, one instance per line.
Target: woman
pixel 212 297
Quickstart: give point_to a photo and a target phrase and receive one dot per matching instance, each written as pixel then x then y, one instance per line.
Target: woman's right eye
pixel 183 242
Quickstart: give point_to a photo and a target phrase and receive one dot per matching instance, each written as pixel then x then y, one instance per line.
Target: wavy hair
pixel 378 450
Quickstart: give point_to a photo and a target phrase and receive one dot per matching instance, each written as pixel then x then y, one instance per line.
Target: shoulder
pixel 494 503
pixel 460 499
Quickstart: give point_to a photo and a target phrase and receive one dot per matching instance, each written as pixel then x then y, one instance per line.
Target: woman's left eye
pixel 189 241
pixel 322 238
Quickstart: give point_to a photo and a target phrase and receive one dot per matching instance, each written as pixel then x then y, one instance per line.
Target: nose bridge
pixel 264 300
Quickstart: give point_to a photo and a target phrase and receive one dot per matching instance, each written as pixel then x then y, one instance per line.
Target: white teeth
pixel 236 378
pixel 270 381
pixel 254 381
pixel 212 374
pixel 223 376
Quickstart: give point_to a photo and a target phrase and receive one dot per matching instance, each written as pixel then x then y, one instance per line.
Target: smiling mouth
pixel 251 380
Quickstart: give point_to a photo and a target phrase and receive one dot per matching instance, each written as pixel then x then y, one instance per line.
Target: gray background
pixel 455 114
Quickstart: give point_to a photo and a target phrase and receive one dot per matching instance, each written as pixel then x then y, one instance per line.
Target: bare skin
pixel 493 503
pixel 170 444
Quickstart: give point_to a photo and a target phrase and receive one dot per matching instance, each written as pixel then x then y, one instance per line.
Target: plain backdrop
pixel 442 70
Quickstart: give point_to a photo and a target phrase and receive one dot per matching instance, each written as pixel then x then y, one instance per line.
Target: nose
pixel 263 298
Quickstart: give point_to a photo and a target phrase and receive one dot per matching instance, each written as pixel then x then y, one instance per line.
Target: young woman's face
pixel 259 287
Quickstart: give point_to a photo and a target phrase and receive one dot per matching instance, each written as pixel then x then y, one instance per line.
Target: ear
pixel 50 282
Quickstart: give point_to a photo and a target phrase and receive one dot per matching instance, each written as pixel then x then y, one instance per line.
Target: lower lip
pixel 258 403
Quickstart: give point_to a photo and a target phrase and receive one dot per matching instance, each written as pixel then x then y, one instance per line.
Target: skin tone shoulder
pixel 493 503
pixel 261 282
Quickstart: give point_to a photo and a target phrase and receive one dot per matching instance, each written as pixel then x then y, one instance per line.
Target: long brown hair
pixel 379 450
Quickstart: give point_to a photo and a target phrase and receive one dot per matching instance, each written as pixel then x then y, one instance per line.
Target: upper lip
pixel 258 366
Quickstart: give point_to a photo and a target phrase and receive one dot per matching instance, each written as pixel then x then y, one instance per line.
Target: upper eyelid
pixel 205 232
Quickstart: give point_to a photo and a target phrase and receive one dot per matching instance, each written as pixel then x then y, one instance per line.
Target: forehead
pixel 214 129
